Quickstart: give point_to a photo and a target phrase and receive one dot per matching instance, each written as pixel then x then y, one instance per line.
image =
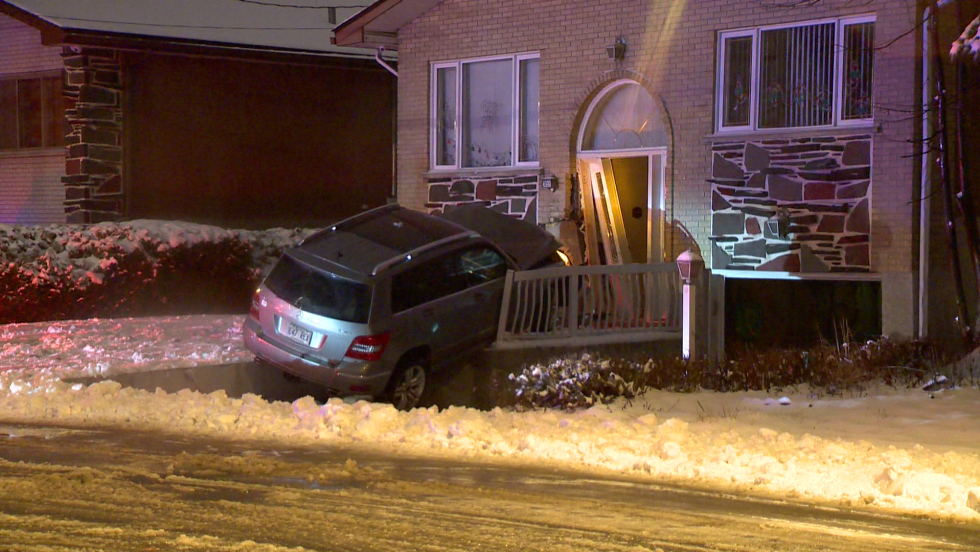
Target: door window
pixel 445 275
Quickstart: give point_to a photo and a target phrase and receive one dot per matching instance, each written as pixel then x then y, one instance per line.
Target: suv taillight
pixel 368 347
pixel 253 311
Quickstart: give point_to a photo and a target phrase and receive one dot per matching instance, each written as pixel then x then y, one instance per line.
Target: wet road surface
pixel 106 489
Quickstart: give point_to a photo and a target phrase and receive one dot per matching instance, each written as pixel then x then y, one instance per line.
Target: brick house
pixel 776 139
pixel 242 116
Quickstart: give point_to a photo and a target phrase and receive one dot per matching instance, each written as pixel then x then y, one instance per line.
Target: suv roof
pixel 377 239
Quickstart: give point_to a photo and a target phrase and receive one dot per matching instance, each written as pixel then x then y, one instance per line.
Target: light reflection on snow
pixel 892 449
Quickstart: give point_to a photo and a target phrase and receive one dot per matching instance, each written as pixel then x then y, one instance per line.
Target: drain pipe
pixel 383 63
pixel 925 190
pixel 394 125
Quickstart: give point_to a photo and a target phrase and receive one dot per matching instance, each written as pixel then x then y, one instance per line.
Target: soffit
pixel 378 24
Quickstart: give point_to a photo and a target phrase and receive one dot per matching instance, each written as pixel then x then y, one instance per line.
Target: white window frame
pixel 839 84
pixel 755 32
pixel 516 123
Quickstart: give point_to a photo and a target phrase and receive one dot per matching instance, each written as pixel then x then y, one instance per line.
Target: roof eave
pixel 53 34
pixel 49 31
pixel 378 24
pixel 351 31
pixel 141 43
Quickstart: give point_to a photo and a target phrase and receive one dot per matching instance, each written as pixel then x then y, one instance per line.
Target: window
pixel 485 112
pixel 482 265
pixel 319 292
pixel 624 116
pixel 426 282
pixel 445 275
pixel 32 113
pixel 814 74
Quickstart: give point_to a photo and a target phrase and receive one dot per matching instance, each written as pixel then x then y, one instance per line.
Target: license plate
pixel 298 333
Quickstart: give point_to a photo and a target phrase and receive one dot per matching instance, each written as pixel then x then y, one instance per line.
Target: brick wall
pixel 30 187
pixel 30 180
pixel 94 187
pixel 672 46
pixel 21 50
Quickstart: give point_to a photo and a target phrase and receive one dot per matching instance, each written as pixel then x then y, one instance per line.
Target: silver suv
pixel 372 304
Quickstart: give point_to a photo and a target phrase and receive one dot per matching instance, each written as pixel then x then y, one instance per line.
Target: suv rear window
pixel 320 293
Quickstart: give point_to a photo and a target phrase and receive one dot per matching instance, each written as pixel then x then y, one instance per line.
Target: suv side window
pixel 481 265
pixel 445 275
pixel 426 282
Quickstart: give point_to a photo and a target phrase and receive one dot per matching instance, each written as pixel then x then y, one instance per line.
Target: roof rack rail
pixel 404 257
pixel 344 222
pixel 369 212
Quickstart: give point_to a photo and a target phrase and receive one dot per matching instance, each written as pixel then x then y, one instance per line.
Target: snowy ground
pixel 901 450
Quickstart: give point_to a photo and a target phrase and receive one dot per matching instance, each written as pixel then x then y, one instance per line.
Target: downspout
pixel 393 198
pixel 673 160
pixel 383 63
pixel 925 190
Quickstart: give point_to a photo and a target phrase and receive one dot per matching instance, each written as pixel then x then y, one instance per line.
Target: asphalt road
pixel 105 489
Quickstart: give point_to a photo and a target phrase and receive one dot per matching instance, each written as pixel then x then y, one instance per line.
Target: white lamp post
pixel 689 264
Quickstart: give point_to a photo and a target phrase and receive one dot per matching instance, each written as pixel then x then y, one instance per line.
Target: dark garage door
pixel 255 144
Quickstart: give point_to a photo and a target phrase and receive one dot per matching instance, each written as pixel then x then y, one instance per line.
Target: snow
pixel 903 450
pixel 968 44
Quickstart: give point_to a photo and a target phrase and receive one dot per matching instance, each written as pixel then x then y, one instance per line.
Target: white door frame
pixel 589 161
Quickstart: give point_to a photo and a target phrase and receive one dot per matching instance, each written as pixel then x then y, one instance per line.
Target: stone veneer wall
pixel 94 191
pixel 822 184
pixel 512 195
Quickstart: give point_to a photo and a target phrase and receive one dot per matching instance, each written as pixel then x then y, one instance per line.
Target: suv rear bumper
pixel 349 377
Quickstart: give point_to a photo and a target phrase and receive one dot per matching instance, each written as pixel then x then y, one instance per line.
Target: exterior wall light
pixel 617 51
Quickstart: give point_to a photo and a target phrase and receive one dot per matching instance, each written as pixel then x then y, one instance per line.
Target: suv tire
pixel 407 384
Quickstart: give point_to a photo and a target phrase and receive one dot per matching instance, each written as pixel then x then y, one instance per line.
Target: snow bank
pixel 902 450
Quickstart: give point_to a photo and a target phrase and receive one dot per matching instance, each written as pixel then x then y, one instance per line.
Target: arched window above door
pixel 623 116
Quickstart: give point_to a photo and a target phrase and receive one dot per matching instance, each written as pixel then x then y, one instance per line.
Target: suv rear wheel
pixel 407 384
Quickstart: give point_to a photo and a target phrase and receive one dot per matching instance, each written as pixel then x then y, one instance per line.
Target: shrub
pixel 569 383
pixel 573 383
pixel 133 269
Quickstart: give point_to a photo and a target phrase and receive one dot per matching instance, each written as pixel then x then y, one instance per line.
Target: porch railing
pixel 589 305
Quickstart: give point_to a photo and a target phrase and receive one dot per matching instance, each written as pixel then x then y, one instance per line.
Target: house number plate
pixel 298 333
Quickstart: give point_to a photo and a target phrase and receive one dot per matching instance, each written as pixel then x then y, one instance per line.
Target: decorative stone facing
pixel 516 196
pixel 93 181
pixel 823 186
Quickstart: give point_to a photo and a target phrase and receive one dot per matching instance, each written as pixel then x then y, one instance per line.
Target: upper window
pixel 32 112
pixel 485 112
pixel 814 74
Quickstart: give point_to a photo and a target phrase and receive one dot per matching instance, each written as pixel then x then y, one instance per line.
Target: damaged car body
pixel 373 304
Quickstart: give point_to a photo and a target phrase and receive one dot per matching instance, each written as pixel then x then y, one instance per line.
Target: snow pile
pixel 968 44
pixel 42 353
pixel 903 450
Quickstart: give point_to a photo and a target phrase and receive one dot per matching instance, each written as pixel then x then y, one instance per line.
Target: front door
pixel 623 208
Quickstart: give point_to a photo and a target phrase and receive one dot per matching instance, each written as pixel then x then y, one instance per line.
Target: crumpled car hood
pixel 528 244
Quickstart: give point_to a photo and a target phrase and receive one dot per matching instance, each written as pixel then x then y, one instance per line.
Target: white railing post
pixel 505 306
